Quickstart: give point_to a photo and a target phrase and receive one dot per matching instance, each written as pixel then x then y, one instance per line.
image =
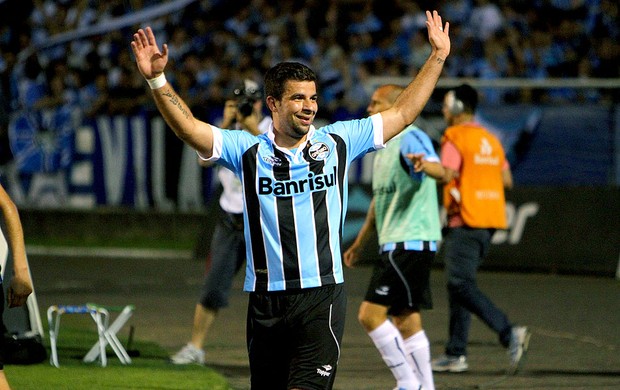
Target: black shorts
pixel 294 337
pixel 400 281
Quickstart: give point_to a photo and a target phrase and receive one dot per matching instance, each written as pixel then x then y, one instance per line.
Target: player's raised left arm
pixel 412 100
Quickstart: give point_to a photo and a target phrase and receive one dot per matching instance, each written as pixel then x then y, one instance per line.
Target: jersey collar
pixel 300 148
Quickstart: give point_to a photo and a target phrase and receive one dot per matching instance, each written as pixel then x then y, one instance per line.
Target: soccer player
pixel 404 212
pixel 295 190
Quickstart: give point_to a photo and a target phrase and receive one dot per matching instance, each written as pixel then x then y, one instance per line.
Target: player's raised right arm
pixel 151 63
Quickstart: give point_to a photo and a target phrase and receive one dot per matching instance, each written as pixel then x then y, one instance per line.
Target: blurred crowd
pixel 214 43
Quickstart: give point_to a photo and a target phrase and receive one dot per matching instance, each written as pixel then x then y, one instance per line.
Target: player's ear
pixel 271 103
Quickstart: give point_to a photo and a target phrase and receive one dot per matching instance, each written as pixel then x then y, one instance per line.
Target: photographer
pixel 242 111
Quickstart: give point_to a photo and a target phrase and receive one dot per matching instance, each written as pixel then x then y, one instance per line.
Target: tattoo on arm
pixel 177 102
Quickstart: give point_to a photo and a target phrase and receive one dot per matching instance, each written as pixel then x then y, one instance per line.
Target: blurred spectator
pixel 363 20
pixel 30 85
pixel 418 49
pixel 485 20
pixel 127 96
pixel 186 86
pixel 603 22
pixel 179 44
pixel 93 93
pixel 457 11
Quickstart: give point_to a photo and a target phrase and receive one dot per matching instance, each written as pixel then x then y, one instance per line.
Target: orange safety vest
pixel 479 186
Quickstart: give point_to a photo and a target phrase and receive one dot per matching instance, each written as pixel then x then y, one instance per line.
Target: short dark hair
pixel 279 74
pixel 468 95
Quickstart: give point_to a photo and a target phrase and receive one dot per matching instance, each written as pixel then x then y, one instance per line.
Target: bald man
pixel 404 212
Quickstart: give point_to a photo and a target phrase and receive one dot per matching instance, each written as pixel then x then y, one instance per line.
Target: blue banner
pixel 42 140
pixel 138 162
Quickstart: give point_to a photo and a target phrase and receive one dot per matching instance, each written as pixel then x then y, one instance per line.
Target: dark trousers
pixel 463 250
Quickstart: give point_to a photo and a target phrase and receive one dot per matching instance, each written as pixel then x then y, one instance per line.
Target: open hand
pixel 151 61
pixel 438 34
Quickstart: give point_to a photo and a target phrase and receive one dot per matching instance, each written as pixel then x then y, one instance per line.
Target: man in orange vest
pixel 476 173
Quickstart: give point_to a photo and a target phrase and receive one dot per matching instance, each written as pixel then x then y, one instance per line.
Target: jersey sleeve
pixel 361 135
pixel 229 146
pixel 450 156
pixel 417 141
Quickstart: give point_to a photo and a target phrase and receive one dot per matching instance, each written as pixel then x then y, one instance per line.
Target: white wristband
pixel 157 82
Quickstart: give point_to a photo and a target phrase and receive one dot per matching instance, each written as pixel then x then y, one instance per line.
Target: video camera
pixel 247 93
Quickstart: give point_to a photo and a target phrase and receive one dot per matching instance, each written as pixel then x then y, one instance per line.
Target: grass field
pixel 149 370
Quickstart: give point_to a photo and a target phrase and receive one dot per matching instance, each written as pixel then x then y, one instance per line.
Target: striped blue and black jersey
pixel 295 200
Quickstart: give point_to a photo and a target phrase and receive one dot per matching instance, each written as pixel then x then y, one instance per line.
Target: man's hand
pixel 151 61
pixel 438 34
pixel 431 168
pixel 417 159
pixel 249 123
pixel 19 289
pixel 351 255
pixel 229 116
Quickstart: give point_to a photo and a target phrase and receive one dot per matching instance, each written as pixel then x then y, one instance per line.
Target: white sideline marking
pixel 107 252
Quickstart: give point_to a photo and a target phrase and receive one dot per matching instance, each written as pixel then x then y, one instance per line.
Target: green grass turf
pixel 149 370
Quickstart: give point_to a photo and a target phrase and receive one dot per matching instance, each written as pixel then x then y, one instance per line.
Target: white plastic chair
pixel 110 334
pixel 107 333
pixel 100 316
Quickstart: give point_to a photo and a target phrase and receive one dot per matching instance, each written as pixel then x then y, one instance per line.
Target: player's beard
pixel 299 131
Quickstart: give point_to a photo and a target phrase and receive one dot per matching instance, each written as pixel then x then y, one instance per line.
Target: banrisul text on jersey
pixel 267 186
